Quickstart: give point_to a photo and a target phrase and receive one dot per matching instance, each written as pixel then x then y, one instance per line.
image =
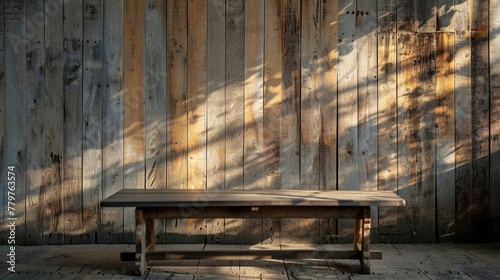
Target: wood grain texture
pixel 463 121
pixel 426 15
pixel 387 136
pixel 386 12
pixel 416 136
pixel 196 110
pixel 348 147
pixel 112 220
pixel 272 108
pixel 72 180
pixel 253 152
pixel 155 101
pixel 478 15
pixel 216 108
pixel 480 136
pixel 92 159
pixel 445 137
pixel 494 63
pixel 35 114
pixel 54 142
pixel 406 17
pixel 177 132
pixel 328 106
pixel 445 14
pixel 15 108
pixel 134 93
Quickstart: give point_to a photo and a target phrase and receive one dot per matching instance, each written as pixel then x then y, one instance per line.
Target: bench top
pixel 230 198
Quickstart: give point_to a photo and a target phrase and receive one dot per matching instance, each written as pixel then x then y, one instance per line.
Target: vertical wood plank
pixel 156 103
pixel 54 142
pixel 445 12
pixel 387 136
pixel 35 114
pixel 291 229
pixel 495 117
pixel 478 15
pixel 92 117
pixel 2 115
pixel 480 136
pixel 445 137
pixel 235 101
pixel 348 148
pixel 272 108
pixel 463 121
pixel 406 17
pixel 112 219
pixel 311 80
pixel 216 108
pixel 133 100
pixel 426 15
pixel 366 25
pixel 196 107
pixel 253 175
pixel 328 106
pixel 133 122
pixel 386 10
pixel 290 103
pixel 72 180
pixel 416 136
pixel 15 110
pixel 177 107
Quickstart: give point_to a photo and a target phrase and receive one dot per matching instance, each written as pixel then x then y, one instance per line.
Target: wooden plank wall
pixel 97 96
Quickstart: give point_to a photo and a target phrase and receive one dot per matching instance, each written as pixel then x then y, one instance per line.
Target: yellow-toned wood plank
pixel 416 136
pixel 177 132
pixel 445 133
pixel 92 117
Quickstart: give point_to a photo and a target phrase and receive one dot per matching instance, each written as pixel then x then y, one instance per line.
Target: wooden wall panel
pixel 15 113
pixel 196 108
pixel 155 87
pixel 92 159
pixel 416 136
pixel 35 115
pixel 347 146
pixel 495 115
pixel 216 108
pixel 54 146
pixel 253 152
pixel 325 94
pixel 480 136
pixel 72 180
pixel 387 136
pixel 445 137
pixel 272 108
pixel 112 219
pixel 177 132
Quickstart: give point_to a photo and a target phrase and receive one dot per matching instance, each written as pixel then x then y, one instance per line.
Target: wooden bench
pixel 154 204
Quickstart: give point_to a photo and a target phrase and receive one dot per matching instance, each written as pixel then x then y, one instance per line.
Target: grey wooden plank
pixel 15 117
pixel 202 198
pixel 494 64
pixel 35 116
pixel 92 118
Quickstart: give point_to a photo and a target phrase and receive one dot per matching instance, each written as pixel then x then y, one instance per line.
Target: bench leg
pixel 140 242
pixel 362 240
